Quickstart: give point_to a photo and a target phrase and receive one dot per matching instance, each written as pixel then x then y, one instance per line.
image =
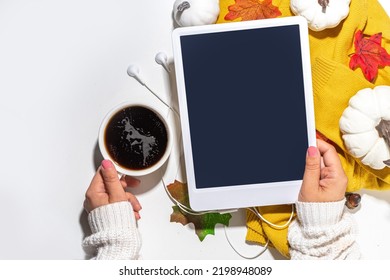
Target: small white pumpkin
pixel 195 12
pixel 321 14
pixel 365 125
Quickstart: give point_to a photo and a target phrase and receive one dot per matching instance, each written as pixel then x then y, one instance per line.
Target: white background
pixel 62 68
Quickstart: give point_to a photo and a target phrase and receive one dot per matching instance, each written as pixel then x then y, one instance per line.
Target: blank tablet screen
pixel 246 106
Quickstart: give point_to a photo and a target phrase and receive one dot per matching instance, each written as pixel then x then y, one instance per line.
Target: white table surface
pixel 62 67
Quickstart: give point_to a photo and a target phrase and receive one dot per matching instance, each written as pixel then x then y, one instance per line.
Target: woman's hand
pixel 324 179
pixel 106 187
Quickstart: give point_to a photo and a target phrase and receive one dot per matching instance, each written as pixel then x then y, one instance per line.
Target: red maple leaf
pixel 252 9
pixel 369 55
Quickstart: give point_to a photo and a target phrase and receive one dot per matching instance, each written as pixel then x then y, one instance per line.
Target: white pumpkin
pixel 195 12
pixel 365 125
pixel 321 14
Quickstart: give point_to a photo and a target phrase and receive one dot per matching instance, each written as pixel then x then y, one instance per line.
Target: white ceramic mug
pixel 131 135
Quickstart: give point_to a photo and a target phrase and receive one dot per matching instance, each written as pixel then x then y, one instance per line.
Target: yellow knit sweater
pixel 334 83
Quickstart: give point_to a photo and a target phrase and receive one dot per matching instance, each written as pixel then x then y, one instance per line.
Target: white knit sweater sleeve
pixel 114 232
pixel 323 231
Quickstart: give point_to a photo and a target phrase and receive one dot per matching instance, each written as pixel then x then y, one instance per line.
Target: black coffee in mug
pixel 135 138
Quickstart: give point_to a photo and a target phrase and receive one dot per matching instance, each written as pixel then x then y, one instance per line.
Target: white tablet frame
pixel 233 197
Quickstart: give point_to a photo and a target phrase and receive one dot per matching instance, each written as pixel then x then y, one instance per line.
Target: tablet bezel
pixel 241 196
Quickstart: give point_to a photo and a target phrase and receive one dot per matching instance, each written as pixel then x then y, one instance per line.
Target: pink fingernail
pixel 312 151
pixel 106 164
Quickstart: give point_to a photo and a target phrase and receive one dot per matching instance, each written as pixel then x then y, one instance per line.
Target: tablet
pixel 246 110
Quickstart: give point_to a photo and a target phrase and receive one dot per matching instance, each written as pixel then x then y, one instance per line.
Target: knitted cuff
pixel 319 214
pixel 115 234
pixel 112 216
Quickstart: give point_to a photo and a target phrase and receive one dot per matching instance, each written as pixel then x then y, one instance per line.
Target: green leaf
pixel 204 224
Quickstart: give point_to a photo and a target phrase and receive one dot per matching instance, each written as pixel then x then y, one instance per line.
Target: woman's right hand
pixel 324 179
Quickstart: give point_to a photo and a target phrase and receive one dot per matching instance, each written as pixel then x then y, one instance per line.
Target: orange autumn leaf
pixel 252 10
pixel 369 55
pixel 179 191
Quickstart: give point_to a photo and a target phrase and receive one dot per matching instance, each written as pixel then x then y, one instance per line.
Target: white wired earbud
pixel 162 59
pixel 133 71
